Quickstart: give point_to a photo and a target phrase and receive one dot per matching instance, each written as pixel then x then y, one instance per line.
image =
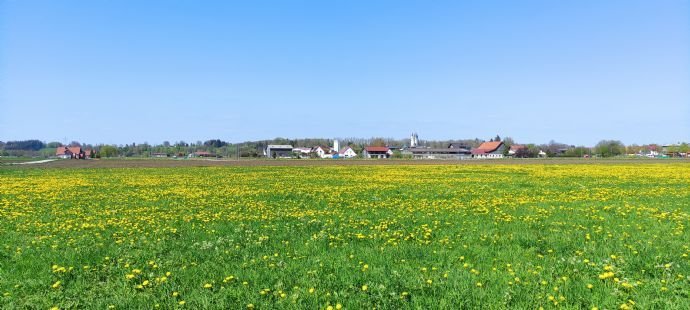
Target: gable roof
pixel 64 150
pixel 489 147
pixel 343 150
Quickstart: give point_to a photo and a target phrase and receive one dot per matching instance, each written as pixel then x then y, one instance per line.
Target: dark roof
pixel 371 149
pixel 458 146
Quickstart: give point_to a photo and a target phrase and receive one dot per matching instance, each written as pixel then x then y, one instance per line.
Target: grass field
pixel 612 236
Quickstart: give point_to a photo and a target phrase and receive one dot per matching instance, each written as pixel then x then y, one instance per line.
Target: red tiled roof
pixel 489 147
pixel 370 149
pixel 64 150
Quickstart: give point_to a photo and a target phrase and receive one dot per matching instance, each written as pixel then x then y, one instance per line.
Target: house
pixel 515 148
pixel 322 151
pixel 489 150
pixel 68 152
pixel 159 155
pixel 278 151
pixel 376 152
pixel 347 152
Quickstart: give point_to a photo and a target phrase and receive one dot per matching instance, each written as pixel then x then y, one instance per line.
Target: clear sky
pixel 149 71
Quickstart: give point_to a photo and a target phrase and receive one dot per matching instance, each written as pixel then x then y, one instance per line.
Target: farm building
pixel 377 152
pixel 489 150
pixel 278 151
pixel 68 152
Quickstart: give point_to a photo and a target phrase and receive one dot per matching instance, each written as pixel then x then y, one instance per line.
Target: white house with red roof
pixel 347 152
pixel 68 152
pixel 323 151
pixel 489 150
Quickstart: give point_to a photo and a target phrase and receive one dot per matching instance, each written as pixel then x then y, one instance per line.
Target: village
pixel 495 148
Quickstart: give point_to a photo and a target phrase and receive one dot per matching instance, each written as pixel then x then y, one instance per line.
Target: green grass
pixel 446 236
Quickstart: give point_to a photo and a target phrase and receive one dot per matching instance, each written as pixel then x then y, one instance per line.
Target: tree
pixel 497 139
pixel 26 145
pixel 108 151
pixel 609 148
pixel 215 143
pixel 684 148
pixel 53 145
pixel 508 142
pixel 378 142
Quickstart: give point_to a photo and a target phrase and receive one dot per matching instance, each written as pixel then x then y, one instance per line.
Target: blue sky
pixel 149 71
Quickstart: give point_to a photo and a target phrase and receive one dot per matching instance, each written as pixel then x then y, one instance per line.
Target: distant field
pixel 393 235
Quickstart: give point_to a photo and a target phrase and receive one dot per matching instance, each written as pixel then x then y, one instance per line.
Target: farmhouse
pixel 201 154
pixel 489 150
pixel 377 152
pixel 68 152
pixel 322 151
pixel 278 151
pixel 347 152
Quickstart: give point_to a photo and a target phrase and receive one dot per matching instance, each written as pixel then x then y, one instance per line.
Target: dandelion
pixel 208 285
pixel 56 284
pixel 365 287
